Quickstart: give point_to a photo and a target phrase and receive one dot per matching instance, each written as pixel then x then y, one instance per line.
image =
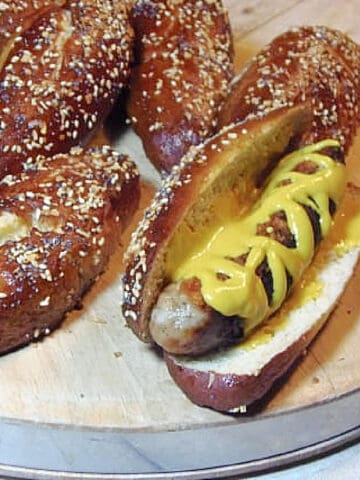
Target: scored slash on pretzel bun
pixel 183 67
pixel 62 65
pixel 60 220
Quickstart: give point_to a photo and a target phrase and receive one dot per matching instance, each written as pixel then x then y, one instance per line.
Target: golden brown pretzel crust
pixel 67 213
pixel 184 65
pixel 62 66
pixel 316 64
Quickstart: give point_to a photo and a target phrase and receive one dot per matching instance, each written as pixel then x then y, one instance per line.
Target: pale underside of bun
pixel 233 378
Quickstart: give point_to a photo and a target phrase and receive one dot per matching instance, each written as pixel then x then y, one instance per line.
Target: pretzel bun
pixel 62 65
pixel 60 220
pixel 184 63
pixel 303 88
pixel 314 64
pixel 320 66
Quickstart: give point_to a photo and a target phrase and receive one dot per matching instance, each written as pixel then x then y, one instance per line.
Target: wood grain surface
pixel 93 372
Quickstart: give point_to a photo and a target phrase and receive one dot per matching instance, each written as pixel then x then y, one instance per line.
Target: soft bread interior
pixel 229 185
pixel 15 227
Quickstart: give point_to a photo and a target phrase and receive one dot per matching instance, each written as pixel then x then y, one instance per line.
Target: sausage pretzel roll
pixel 183 68
pixel 188 202
pixel 62 65
pixel 60 220
pixel 234 232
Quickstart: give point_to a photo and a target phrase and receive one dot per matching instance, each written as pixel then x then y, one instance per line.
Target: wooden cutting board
pixel 94 373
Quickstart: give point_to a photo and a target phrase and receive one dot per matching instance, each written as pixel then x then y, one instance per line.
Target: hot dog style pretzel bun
pixel 62 65
pixel 314 64
pixel 183 68
pixel 246 222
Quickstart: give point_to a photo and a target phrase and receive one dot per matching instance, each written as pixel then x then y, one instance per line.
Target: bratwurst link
pixel 195 196
pixel 243 272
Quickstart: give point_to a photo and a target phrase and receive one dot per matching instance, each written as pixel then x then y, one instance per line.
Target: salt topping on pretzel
pixel 62 68
pixel 306 64
pixel 60 220
pixel 183 68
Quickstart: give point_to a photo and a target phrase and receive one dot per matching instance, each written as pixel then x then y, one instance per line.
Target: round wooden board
pixel 92 399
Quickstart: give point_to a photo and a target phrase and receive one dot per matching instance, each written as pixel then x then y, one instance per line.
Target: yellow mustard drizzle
pixel 238 290
pixel 347 234
pixel 344 236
